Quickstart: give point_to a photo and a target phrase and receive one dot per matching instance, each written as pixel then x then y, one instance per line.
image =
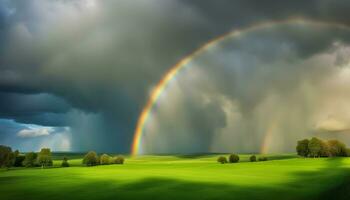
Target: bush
pixel 91 159
pixel 233 158
pixel 222 160
pixel 7 157
pixel 65 162
pixel 252 158
pixel 30 159
pixel 302 147
pixel 44 157
pixel 118 160
pixel 262 158
pixel 336 148
pixel 104 159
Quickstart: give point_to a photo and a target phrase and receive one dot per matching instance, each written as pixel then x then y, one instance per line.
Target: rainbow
pixel 175 69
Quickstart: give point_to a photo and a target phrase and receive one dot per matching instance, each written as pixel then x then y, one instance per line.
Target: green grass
pixel 182 177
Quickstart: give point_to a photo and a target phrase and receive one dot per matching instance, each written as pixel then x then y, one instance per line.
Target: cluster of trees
pixel 9 158
pixel 316 147
pixel 234 158
pixel 92 159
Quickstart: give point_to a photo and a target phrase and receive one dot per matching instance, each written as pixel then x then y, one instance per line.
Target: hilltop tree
pixel 6 156
pixel 30 159
pixel 91 159
pixel 44 157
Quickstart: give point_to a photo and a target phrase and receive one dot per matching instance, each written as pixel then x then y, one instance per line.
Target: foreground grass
pixel 182 177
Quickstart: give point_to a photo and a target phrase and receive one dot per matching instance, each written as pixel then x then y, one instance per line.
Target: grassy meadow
pixel 181 177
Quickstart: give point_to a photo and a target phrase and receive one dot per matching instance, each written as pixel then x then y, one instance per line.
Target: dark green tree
pixel 6 156
pixel 30 159
pixel 252 158
pixel 303 147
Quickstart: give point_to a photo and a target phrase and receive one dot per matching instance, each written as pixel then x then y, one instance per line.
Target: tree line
pixel 9 158
pixel 316 147
pixel 234 158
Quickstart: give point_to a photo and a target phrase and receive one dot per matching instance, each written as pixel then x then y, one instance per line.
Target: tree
pixel 348 152
pixel 325 152
pixel 222 159
pixel 315 147
pixel 233 158
pixel 118 160
pixel 65 162
pixel 44 157
pixel 104 159
pixel 19 160
pixel 336 148
pixel 91 159
pixel 252 158
pixel 303 147
pixel 6 156
pixel 29 160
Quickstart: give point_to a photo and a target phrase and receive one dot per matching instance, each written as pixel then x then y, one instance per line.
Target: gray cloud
pixel 91 66
pixel 272 87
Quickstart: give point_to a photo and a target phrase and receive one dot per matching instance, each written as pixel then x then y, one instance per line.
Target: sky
pixel 75 75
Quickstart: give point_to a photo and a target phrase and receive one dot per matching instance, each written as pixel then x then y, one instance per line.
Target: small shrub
pixel 348 152
pixel 233 158
pixel 252 158
pixel 263 158
pixel 91 159
pixel 104 159
pixel 222 159
pixel 118 160
pixel 65 162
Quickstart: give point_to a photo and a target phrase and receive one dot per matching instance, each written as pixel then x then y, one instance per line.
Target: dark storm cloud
pixel 103 57
pixel 41 109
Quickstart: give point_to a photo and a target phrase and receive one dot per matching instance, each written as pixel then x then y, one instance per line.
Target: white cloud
pixel 35 132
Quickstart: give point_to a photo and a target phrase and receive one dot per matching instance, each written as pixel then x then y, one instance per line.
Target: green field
pixel 182 177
